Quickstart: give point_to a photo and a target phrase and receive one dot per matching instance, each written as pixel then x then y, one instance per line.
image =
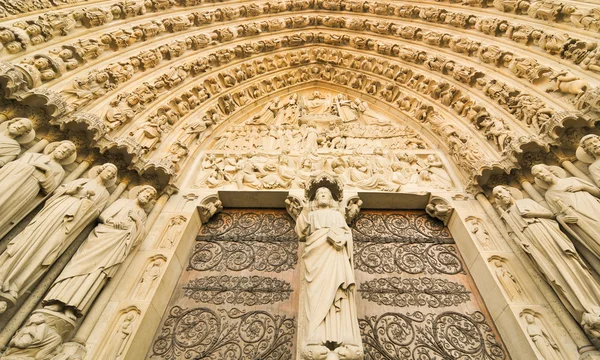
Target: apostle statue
pixel 589 152
pixel 120 229
pixel 330 318
pixel 71 208
pixel 23 179
pixel 552 252
pixel 576 203
pixel 13 133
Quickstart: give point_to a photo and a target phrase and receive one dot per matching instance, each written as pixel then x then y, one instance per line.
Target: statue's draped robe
pixel 30 254
pixel 555 256
pixel 98 258
pixel 329 301
pixel 594 170
pixel 21 181
pixel 346 112
pixel 586 206
pixel 9 149
pixel 317 106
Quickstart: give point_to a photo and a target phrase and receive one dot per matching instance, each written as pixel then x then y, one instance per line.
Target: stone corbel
pixel 209 206
pixel 439 208
pixel 352 208
pixel 294 205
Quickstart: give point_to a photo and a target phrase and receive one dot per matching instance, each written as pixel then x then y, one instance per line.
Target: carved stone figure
pixel 329 295
pixel 543 342
pixel 270 114
pixel 148 279
pixel 121 228
pixel 13 133
pixel 23 179
pixel 345 109
pixel 36 340
pixel 552 252
pixel 71 208
pixel 589 152
pixel 508 281
pixel 120 336
pixel 576 203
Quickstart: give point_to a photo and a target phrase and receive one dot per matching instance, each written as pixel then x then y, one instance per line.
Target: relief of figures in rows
pixel 382 170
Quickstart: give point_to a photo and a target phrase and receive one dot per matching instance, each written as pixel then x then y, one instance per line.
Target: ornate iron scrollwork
pixel 203 333
pixel 238 290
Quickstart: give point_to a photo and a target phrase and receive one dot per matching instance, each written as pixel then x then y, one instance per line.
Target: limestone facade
pixel 126 126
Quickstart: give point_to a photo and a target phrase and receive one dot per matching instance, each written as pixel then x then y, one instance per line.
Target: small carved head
pixel 20 127
pixel 146 195
pixel 543 173
pixel 108 172
pixel 591 144
pixel 503 196
pixel 64 150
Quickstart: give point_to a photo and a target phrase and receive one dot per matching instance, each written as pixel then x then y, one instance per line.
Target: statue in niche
pixel 508 281
pixel 13 133
pixel 148 279
pixel 552 252
pixel 148 133
pixel 483 236
pixel 23 179
pixel 576 203
pixel 317 104
pixel 540 338
pixel 194 130
pixel 70 209
pixel 589 152
pixel 346 109
pixel 331 329
pixel 269 115
pixel 36 340
pixel 121 228
pixel 172 231
pixel 121 334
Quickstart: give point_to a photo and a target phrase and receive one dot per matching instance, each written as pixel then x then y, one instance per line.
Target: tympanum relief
pixel 326 132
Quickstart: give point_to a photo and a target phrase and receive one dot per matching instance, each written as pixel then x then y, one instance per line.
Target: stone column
pixel 39 146
pixel 586 349
pixel 119 190
pixel 566 163
pixel 531 191
pixel 79 170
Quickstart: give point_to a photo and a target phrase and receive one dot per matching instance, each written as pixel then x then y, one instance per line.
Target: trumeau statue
pixel 13 133
pixel 23 179
pixel 331 326
pixel 121 228
pixel 552 252
pixel 576 203
pixel 71 208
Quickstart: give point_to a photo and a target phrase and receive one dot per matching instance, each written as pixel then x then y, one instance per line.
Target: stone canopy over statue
pixel 331 328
